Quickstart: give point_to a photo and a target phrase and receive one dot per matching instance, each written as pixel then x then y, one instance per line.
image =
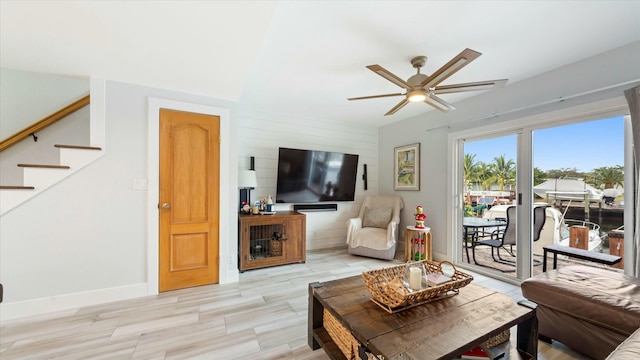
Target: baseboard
pixel 60 303
pixel 232 276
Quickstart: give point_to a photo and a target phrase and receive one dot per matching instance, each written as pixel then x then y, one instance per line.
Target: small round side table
pixel 417 243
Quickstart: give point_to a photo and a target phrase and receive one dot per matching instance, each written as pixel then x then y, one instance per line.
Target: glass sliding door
pixel 579 173
pixel 556 180
pixel 489 219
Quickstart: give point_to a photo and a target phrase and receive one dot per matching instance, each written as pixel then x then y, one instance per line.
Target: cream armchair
pixel 374 233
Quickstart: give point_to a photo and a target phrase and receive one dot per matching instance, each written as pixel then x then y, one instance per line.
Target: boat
pixel 567 189
pixel 556 227
pixel 609 195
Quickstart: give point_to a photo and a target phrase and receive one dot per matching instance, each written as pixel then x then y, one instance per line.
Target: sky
pixel 585 146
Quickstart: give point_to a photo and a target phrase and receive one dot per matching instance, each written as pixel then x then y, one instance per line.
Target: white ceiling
pixel 304 58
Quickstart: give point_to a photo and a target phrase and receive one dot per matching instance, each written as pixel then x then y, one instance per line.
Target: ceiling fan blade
pixel 450 68
pixel 400 105
pixel 438 103
pixel 472 86
pixel 375 96
pixel 389 76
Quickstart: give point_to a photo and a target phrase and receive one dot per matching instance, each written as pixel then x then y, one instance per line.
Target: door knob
pixel 166 206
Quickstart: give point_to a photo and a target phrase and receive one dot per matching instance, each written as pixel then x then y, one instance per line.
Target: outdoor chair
pixel 500 239
pixel 505 238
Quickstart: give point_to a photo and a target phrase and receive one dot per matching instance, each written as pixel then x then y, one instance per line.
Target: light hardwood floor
pixel 263 316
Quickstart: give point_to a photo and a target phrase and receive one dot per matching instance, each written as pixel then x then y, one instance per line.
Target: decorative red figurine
pixel 420 218
pixel 246 208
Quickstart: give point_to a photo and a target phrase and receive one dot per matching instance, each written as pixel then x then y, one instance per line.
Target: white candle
pixel 414 278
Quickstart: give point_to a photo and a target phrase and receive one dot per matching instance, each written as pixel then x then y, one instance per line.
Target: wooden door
pixel 189 201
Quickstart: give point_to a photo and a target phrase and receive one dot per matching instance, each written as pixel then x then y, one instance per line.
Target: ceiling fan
pixel 421 87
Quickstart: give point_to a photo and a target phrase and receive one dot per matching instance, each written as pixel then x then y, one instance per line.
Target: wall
pixel 575 85
pixel 84 241
pixel 28 97
pixel 433 167
pixel 260 135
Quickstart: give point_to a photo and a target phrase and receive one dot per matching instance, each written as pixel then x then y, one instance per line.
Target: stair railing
pixel 49 120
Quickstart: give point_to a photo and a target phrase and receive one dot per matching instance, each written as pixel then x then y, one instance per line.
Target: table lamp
pixel 246 181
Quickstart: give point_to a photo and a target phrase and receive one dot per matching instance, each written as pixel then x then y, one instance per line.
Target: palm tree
pixel 470 169
pixel 503 171
pixel 539 176
pixel 610 176
pixel 484 174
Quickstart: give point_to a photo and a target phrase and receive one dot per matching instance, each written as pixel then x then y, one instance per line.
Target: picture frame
pixel 407 167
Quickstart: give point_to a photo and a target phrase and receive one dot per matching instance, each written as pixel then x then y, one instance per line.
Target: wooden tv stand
pixel 270 240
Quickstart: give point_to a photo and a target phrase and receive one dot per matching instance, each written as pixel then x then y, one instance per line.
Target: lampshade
pixel 247 179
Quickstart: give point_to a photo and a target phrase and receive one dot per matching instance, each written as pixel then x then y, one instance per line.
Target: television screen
pixel 308 176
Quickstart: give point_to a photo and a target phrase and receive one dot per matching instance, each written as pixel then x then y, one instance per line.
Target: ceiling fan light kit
pixel 423 88
pixel 417 95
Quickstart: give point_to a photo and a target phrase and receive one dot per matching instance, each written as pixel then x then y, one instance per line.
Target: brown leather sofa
pixel 592 310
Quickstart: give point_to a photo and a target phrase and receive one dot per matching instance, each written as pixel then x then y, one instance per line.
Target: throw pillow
pixel 377 217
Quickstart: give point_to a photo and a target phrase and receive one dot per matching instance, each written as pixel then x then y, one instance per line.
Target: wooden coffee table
pixel 441 329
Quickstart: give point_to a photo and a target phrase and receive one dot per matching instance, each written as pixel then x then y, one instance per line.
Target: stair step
pixel 44 166
pixel 10 187
pixel 77 147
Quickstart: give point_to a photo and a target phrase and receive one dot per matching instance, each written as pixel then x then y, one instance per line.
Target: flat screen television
pixel 309 176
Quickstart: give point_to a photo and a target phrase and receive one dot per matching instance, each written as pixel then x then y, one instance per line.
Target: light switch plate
pixel 140 184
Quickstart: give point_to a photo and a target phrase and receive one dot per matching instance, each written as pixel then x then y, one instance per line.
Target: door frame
pixel 227 229
pixel 611 107
pixel 523 185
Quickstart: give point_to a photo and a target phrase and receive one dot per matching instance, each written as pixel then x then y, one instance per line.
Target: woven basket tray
pixel 393 299
pixel 341 336
pixel 497 340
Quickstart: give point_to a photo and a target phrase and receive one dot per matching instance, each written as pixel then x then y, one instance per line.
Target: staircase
pixel 37 178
